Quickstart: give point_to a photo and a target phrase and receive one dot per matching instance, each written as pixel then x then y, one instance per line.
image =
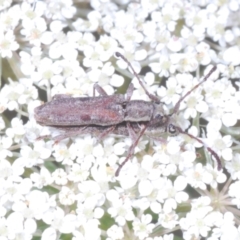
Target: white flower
pixel 142 228
pixel 115 232
pixel 168 220
pixel 14 191
pixel 203 54
pixel 104 76
pixel 92 57
pixel 35 155
pixel 71 71
pixel 35 32
pixel 218 92
pixel 221 144
pixel 108 44
pixel 167 17
pixel 40 204
pixel 7 44
pixel 233 167
pixel 9 19
pixel 60 11
pixel 145 188
pixel 234 193
pixel 174 194
pixel 28 13
pixel 79 172
pixel 198 177
pixel 49 233
pixel 192 38
pixel 89 191
pixel 41 179
pixel 151 5
pixel 128 37
pixel 151 202
pixel 68 51
pixel 30 61
pixel 173 146
pixel 15 223
pixel 2 123
pixel 5 143
pixel 17 129
pixel 216 25
pixel 84 146
pixel 5 4
pixel 59 221
pixel 229 57
pixel 226 227
pixel 55 49
pixel 197 19
pixel 5 169
pixel 60 177
pixel 160 40
pixel 26 211
pixel 121 211
pixel 165 237
pixel 184 159
pixel 196 223
pixel 170 94
pixel 175 44
pixel 89 25
pixel 184 62
pixel 218 176
pixel 81 39
pixel 164 67
pixel 230 119
pixel 65 154
pixel 91 230
pixel 202 204
pixel 194 103
pixel 88 212
pixel 66 196
pixel 17 93
pixel 229 71
pixel 46 70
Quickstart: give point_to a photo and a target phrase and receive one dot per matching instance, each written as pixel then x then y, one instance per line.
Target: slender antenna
pixel 219 164
pixel 176 108
pixel 151 96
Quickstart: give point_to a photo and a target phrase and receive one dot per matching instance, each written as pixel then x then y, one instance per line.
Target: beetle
pixel 117 114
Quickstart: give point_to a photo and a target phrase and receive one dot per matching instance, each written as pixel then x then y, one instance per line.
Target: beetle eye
pixel 172 129
pixel 159 116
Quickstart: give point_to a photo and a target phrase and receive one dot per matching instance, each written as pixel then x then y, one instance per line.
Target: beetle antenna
pixel 219 164
pixel 151 96
pixel 176 108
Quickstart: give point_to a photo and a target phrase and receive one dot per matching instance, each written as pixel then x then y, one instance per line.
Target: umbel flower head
pixel 65 187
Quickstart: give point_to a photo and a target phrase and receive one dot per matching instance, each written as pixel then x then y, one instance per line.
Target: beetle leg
pixel 99 89
pixel 131 132
pixel 100 133
pixel 105 132
pixel 131 150
pixel 43 137
pixel 129 92
pixel 59 96
pixel 68 133
pixel 159 139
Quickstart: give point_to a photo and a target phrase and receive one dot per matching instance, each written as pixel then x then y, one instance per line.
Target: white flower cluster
pixel 68 189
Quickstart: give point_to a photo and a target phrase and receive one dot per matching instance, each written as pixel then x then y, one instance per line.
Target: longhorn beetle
pixel 115 114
